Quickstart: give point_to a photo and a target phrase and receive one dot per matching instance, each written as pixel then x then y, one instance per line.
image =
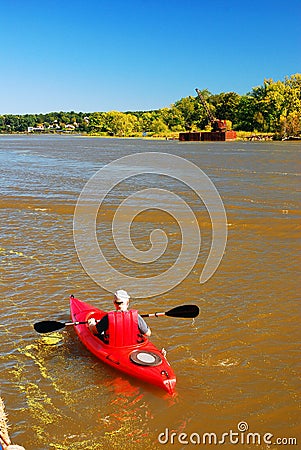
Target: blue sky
pixel 140 55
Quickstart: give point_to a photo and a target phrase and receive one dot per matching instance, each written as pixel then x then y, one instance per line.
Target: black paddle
pixel 184 311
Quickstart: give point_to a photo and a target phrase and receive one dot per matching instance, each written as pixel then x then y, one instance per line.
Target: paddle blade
pixel 185 311
pixel 47 326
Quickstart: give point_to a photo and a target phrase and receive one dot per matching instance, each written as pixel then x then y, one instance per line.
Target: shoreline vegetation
pixel 270 111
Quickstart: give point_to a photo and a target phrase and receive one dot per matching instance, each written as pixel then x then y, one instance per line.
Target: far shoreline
pixel 243 136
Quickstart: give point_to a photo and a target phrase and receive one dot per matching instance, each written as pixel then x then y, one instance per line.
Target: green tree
pixel 259 122
pixel 271 102
pixel 2 124
pixel 291 117
pixel 226 105
pixel 96 123
pixel 159 127
pixel 190 110
pixel 293 93
pixel 245 114
pixel 290 125
pixel 146 121
pixel 119 124
pixel 173 118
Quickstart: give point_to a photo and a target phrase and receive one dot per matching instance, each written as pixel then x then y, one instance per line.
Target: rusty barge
pixel 218 131
pixel 208 136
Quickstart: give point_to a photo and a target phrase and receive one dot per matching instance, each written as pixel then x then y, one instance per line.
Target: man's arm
pixel 143 328
pixel 98 327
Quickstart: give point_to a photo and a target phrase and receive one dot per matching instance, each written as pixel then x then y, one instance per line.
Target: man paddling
pixel 121 327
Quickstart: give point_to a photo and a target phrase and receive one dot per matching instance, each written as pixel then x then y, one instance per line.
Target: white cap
pixel 122 295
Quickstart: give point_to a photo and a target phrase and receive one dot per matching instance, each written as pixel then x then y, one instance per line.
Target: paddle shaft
pixel 142 315
pixel 157 314
pixel 76 323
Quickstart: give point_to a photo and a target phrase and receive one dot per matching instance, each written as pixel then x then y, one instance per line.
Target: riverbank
pixel 241 136
pixel 172 136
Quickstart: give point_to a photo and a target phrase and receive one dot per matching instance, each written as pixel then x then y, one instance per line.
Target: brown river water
pixel 237 363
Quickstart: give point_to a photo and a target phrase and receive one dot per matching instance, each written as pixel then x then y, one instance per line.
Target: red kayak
pixel 142 360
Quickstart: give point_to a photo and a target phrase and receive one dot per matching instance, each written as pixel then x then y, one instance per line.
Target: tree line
pixel 273 107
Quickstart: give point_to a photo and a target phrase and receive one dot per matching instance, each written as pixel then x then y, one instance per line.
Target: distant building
pixel 37 128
